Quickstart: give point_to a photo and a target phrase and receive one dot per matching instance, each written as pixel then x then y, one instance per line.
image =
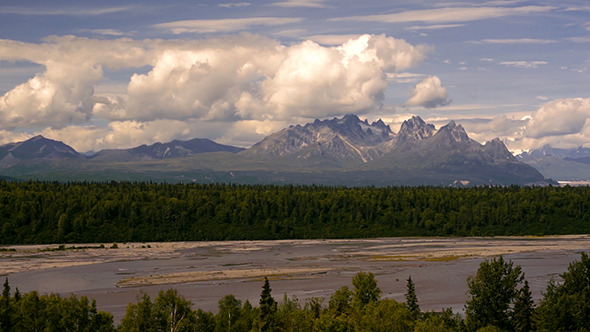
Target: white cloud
pixel 64 93
pixel 301 3
pixel 449 15
pixel 523 64
pixel 105 32
pixel 217 80
pixel 234 4
pixel 405 77
pixel 434 27
pixel 332 40
pixel 223 25
pixel 516 41
pixel 579 39
pixel 559 117
pixel 69 11
pixel 502 126
pixel 429 93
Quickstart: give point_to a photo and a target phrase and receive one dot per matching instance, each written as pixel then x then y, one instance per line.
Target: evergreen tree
pixel 523 309
pixel 5 308
pixel 268 306
pixel 412 299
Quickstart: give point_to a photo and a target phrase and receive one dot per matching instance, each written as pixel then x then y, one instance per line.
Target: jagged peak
pixel 415 129
pixel 498 149
pixel 454 131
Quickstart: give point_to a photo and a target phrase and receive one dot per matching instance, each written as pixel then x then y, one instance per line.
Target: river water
pixel 438 267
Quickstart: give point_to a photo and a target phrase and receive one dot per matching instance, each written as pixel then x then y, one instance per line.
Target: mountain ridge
pixel 338 151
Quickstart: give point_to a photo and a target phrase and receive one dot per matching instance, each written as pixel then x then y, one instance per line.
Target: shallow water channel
pixel 203 272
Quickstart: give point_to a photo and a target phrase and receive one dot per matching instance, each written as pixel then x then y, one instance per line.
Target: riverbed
pixel 203 272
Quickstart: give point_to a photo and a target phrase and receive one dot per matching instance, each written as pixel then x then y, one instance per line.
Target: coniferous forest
pixel 40 212
pixel 499 300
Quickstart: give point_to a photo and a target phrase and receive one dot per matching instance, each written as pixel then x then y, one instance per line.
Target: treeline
pixel 500 300
pixel 40 212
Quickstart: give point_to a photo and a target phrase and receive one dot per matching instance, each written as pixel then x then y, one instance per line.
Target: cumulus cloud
pixel 559 117
pixel 506 127
pixel 259 79
pixel 561 123
pixel 429 93
pixel 245 79
pixel 64 93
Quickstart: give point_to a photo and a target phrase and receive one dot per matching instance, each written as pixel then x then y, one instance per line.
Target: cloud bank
pixel 561 123
pixel 244 81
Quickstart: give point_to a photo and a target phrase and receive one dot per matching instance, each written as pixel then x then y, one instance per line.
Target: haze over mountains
pixel 339 151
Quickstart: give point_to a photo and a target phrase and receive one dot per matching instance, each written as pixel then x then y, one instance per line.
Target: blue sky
pixel 118 74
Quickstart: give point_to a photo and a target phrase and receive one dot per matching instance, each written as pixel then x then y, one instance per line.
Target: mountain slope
pixel 449 155
pixel 560 164
pixel 158 151
pixel 339 151
pixel 36 148
pixel 333 141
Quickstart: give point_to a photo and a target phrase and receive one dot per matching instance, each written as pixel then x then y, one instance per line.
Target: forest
pixel 499 300
pixel 83 212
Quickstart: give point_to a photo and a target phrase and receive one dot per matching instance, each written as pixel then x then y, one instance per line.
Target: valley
pixel 205 271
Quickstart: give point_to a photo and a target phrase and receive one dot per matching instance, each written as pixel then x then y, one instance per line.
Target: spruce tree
pixel 5 308
pixel 268 306
pixel 523 309
pixel 412 299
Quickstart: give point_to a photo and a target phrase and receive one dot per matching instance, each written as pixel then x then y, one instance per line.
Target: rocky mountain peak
pixel 414 129
pixel 497 149
pixel 36 148
pixel 339 138
pixel 453 132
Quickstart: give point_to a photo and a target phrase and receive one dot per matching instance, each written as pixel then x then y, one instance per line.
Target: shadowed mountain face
pixel 339 151
pixel 158 151
pixel 343 139
pixel 37 147
pixel 560 164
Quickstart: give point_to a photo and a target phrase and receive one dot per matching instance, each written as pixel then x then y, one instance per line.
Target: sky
pixel 113 74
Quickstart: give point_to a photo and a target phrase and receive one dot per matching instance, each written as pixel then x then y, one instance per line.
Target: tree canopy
pixel 40 212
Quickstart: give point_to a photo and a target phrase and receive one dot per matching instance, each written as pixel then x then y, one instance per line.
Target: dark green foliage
pixel 6 309
pixel 340 302
pixel 34 312
pixel 493 290
pixel 39 212
pixel 566 306
pixel 268 307
pixel 365 289
pixel 412 299
pixel 522 315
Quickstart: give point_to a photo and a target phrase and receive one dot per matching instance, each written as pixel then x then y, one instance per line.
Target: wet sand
pixel 203 272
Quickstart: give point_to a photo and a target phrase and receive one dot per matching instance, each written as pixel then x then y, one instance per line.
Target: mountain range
pixel 338 151
pixel 561 164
